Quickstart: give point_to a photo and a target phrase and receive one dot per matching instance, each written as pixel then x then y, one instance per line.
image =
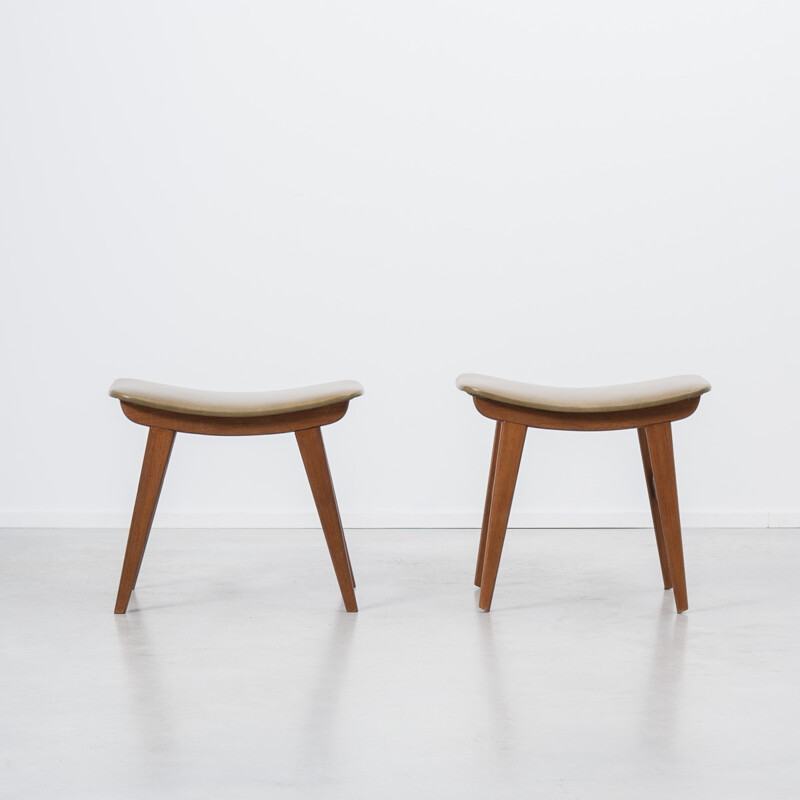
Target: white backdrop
pixel 248 195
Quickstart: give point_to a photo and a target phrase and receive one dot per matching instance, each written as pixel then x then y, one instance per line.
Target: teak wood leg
pixel 154 467
pixel 659 443
pixel 487 506
pixel 312 450
pixel 651 493
pixel 511 440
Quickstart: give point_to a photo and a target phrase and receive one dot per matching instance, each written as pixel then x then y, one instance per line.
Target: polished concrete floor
pixel 237 673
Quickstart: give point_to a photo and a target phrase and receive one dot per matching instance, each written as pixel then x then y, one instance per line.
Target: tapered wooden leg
pixel 487 506
pixel 312 449
pixel 651 493
pixel 154 467
pixel 659 443
pixel 511 440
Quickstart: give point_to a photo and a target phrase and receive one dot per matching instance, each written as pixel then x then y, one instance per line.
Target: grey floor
pixel 237 673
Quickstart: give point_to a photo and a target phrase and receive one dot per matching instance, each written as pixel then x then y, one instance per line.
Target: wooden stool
pixel 169 409
pixel 649 407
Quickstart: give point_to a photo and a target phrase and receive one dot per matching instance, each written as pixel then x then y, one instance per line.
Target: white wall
pixel 252 195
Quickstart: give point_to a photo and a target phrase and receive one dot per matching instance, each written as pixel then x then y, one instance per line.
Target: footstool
pixel 650 406
pixel 167 410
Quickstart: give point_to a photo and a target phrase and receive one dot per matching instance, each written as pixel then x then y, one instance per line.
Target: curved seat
pixel 585 400
pixel 205 403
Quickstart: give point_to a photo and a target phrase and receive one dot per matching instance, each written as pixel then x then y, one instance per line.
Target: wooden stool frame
pixel 164 425
pixel 655 442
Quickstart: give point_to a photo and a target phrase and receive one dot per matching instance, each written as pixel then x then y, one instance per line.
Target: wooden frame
pixel 163 425
pixel 654 428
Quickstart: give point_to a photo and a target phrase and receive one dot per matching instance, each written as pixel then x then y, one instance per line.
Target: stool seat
pixel 583 400
pixel 232 404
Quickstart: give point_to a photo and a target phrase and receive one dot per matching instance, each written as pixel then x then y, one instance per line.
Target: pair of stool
pixel 650 407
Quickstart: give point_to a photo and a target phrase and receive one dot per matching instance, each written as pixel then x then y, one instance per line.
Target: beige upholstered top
pixel 232 404
pixel 623 397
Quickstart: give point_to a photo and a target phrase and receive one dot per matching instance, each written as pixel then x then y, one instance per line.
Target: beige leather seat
pixel 167 410
pixel 649 406
pixel 232 404
pixel 622 397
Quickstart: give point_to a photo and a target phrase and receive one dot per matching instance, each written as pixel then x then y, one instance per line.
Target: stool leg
pixel 487 506
pixel 651 493
pixel 511 440
pixel 312 450
pixel 659 442
pixel 154 467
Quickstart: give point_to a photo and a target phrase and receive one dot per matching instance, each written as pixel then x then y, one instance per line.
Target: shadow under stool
pixel 167 410
pixel 650 406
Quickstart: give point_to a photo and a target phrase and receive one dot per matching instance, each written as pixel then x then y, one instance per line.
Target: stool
pixel 649 406
pixel 166 410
